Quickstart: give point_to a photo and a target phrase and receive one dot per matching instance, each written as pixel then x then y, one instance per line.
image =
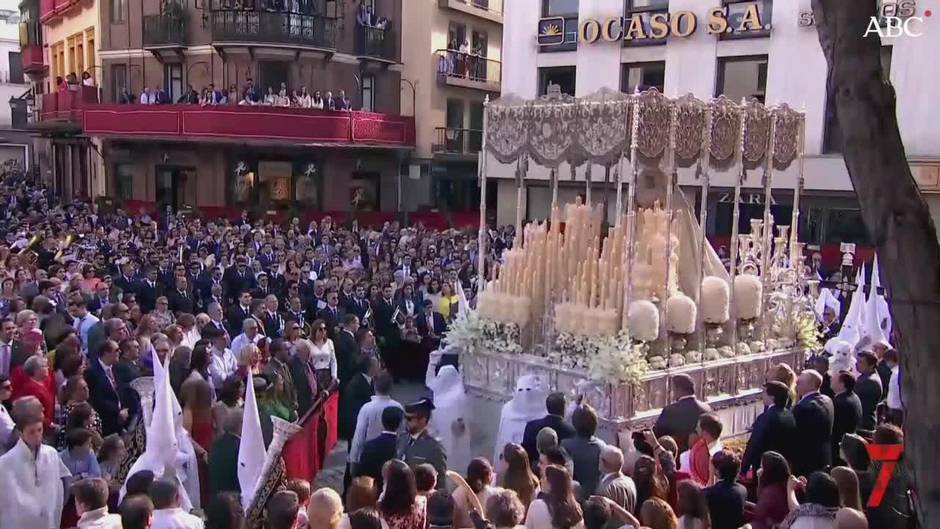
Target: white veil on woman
pixel 449 420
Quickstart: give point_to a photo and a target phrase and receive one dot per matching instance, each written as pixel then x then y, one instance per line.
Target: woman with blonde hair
pixel 655 513
pixel 325 510
pixel 850 513
pixel 161 314
pixel 785 374
pixel 248 361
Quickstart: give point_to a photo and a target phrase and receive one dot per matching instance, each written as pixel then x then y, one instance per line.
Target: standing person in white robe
pixel 527 404
pixel 31 475
pixel 449 423
pixel 165 442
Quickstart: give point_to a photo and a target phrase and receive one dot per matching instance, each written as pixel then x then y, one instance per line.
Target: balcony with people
pixel 460 66
pixel 375 38
pixel 491 10
pixel 212 115
pixel 281 23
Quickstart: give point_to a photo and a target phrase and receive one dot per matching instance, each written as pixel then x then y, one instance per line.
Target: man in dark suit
pixel 238 313
pixel 431 326
pixel 103 390
pixel 180 300
pixel 680 419
pixel 869 390
pixel 148 290
pixel 238 279
pixel 555 405
pixel 348 353
pixel 387 331
pixel 305 379
pixel 847 410
pixel 331 314
pixel 271 319
pixel 773 430
pixel 223 458
pixel 354 396
pixel 417 446
pixel 378 451
pixel 726 498
pixel 814 413
pixel 358 304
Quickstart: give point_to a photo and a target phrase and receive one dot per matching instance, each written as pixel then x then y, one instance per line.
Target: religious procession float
pixel 609 311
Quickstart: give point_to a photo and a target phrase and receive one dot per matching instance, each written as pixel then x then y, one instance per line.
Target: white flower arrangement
pixel 693 357
pixel 657 362
pixel 711 354
pixel 756 346
pixel 676 360
pixel 743 349
pixel 474 334
pixel 748 292
pixel 715 304
pixel 725 351
pixel 643 321
pixel 605 358
pixel 680 314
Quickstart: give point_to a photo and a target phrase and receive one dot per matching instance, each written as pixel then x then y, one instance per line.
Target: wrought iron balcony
pixel 264 27
pixel 375 43
pixel 457 141
pixel 468 70
pixel 164 31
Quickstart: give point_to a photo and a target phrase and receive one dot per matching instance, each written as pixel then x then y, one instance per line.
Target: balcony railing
pixel 452 140
pixel 213 123
pixel 376 43
pixel 65 106
pixel 164 31
pixel 33 59
pixel 263 27
pixel 467 69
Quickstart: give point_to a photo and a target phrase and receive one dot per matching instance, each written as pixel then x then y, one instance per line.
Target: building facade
pixel 14 142
pixel 452 62
pixel 764 49
pixel 238 152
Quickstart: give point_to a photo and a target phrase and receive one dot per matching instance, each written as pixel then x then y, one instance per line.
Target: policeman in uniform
pixel 417 446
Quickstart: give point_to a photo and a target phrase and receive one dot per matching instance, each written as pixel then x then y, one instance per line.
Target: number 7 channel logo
pixel 889 455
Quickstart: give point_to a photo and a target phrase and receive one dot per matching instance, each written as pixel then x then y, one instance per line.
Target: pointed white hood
pixel 851 330
pixel 251 451
pixel 884 311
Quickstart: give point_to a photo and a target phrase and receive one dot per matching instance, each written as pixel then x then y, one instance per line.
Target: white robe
pixel 33 493
pixel 449 421
pixel 527 404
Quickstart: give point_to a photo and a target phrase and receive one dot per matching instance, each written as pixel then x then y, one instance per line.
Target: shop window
pixel 643 75
pixel 742 77
pixel 563 76
pixel 566 29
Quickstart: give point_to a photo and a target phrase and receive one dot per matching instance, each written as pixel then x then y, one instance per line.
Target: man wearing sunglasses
pixel 417 446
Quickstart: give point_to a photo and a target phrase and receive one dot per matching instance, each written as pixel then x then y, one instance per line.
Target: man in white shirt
pixel 222 363
pixel 369 419
pixel 893 400
pixel 83 321
pixel 167 513
pixel 7 331
pixel 91 505
pixel 248 336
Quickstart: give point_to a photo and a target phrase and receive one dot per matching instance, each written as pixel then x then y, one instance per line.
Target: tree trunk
pixel 899 224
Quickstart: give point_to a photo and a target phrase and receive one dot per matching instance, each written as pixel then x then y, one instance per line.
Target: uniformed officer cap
pixel 420 407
